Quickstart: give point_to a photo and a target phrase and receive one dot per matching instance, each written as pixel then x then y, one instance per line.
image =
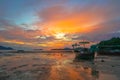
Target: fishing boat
pixel 83 52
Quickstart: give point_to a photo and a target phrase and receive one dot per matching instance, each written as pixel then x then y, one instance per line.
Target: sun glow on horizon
pixel 55 24
pixel 60 35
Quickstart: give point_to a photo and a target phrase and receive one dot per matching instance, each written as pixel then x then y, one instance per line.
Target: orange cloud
pixel 59 19
pixel 58 26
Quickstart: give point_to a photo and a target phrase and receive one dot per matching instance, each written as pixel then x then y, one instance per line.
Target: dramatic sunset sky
pixel 57 23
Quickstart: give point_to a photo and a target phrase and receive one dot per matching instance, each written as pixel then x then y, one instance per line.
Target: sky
pixel 47 24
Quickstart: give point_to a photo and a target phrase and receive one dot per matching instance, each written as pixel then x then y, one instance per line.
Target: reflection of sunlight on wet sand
pixel 49 66
pixel 73 74
pixel 61 71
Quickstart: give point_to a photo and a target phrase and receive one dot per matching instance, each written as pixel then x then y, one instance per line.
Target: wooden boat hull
pixel 84 56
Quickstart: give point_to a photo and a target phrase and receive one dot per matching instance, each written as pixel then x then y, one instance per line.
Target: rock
pixel 102 60
pixel 113 66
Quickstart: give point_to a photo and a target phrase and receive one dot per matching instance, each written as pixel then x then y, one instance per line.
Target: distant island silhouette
pixel 112 41
pixel 63 49
pixel 5 48
pixel 111 46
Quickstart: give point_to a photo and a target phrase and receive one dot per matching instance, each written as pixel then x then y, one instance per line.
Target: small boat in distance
pixel 83 53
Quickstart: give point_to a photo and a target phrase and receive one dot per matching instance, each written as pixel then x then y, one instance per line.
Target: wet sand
pixel 58 66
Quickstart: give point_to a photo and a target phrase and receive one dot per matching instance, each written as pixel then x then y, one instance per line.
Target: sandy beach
pixel 58 66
